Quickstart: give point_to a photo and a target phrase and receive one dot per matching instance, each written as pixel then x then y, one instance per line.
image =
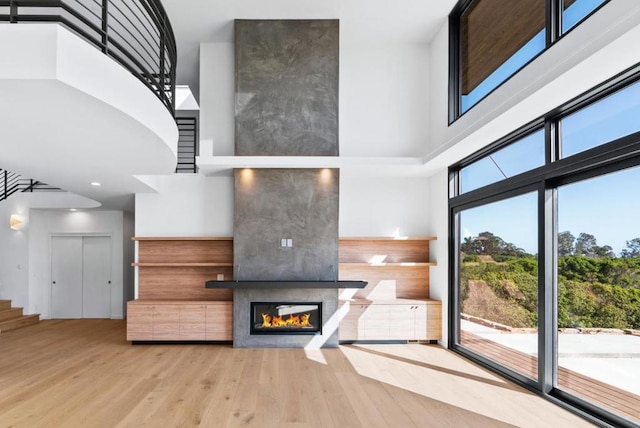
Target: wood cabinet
pixel 401 319
pixel 170 320
pixel 173 303
pixel 395 305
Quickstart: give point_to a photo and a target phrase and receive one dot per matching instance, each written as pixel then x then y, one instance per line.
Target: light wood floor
pixel 83 373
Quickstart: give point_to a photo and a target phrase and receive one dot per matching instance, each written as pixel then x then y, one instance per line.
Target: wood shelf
pixel 178 238
pixel 401 264
pixel 388 238
pixel 137 264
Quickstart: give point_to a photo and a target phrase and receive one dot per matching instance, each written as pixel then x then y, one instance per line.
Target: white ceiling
pixel 361 21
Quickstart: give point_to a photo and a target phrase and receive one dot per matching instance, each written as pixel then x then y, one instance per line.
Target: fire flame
pixel 280 322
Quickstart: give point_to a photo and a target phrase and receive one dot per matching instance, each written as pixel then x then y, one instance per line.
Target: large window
pixel 599 290
pixel 498 296
pixel 546 262
pixel 492 39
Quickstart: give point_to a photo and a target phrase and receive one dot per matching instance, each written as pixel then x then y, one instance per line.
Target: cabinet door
pixel 219 321
pixel 434 320
pixel 139 322
pixel 376 322
pixel 402 322
pixel 420 318
pixel 192 322
pixel 351 325
pixel 166 322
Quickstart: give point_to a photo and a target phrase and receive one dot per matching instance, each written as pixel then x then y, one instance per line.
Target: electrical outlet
pixel 220 277
pixel 283 242
pixel 289 242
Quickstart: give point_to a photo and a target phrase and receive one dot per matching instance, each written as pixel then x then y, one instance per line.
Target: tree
pixel 585 245
pixel 633 248
pixel 603 252
pixel 486 243
pixel 566 243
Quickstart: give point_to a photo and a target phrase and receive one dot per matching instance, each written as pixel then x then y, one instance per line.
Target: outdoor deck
pixel 616 399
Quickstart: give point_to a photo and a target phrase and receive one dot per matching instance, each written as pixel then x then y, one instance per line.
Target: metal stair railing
pixel 187 146
pixel 11 183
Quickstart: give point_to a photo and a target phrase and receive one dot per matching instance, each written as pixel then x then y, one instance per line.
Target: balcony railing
pixel 11 183
pixel 135 33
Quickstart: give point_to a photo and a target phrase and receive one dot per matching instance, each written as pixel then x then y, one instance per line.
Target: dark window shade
pixel 492 31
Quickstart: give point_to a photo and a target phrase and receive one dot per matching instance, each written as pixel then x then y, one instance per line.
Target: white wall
pixel 384 103
pixel 384 206
pixel 438 226
pixel 186 205
pixel 14 255
pixel 43 224
pixel 217 89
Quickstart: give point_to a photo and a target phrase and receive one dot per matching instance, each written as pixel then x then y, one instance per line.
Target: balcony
pixel 88 95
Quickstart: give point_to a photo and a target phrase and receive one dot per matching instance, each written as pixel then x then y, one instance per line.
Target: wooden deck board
pixel 84 373
pixel 588 388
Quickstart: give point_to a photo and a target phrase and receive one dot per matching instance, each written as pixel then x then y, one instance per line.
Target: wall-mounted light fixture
pixel 16 222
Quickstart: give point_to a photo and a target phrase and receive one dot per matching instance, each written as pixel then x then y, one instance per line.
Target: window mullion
pixel 553 20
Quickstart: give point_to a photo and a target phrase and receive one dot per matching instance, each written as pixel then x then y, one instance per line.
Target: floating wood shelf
pixel 389 238
pixel 181 264
pixel 177 238
pixel 383 264
pixel 285 284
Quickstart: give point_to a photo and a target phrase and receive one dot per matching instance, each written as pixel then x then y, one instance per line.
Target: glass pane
pixel 599 291
pixel 521 156
pixel 575 11
pixel 499 282
pixel 606 120
pixel 495 42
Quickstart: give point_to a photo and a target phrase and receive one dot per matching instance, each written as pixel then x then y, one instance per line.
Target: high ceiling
pixel 361 21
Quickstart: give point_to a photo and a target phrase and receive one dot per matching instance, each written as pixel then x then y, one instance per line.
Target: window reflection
pixel 516 158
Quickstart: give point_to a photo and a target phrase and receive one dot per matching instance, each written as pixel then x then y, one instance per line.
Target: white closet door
pixel 66 277
pixel 96 302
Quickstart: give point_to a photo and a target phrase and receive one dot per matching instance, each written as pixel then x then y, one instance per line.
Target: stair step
pixel 19 322
pixel 5 304
pixel 7 314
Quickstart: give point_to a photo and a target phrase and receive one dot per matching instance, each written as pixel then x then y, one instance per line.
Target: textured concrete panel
pixel 276 204
pixel 242 318
pixel 286 87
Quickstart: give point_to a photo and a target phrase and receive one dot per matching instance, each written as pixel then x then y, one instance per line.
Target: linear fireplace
pixel 286 317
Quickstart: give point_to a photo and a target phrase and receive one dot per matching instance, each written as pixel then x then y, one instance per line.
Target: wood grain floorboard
pixel 83 373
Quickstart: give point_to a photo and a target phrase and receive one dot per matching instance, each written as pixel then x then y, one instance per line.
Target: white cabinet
pixel 399 319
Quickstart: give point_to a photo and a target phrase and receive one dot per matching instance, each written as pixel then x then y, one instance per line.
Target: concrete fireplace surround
pixel 286 104
pixel 241 306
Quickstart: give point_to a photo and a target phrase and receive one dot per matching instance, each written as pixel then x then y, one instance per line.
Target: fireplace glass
pixel 286 317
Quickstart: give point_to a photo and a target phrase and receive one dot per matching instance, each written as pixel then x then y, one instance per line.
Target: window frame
pixel 553 33
pixel 617 155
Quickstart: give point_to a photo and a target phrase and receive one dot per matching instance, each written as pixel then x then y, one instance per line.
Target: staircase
pixel 12 318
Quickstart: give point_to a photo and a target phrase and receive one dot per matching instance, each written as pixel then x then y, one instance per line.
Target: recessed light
pixel 73 209
pixel 95 183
